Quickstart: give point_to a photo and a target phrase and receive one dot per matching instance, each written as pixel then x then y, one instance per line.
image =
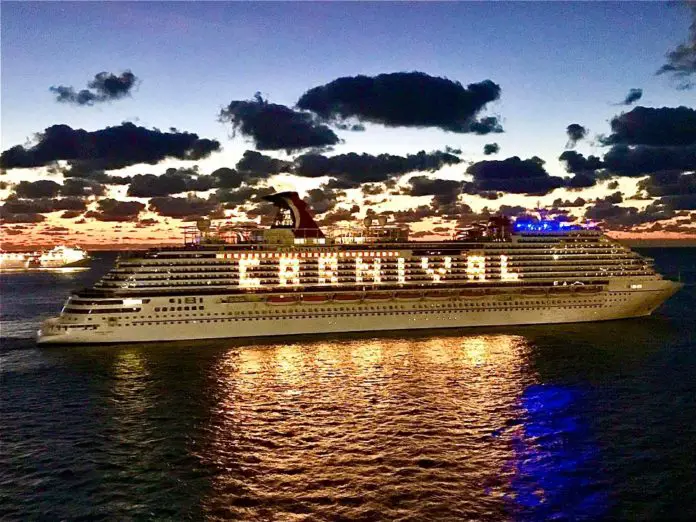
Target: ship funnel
pixel 293 214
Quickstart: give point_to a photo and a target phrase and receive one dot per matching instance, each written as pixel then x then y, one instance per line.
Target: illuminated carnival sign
pixel 368 268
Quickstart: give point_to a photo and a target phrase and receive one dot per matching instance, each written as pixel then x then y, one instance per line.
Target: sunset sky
pixel 122 122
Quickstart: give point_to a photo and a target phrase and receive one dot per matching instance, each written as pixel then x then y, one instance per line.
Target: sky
pixel 444 78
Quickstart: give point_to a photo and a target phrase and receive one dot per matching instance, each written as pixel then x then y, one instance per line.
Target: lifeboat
pixel 315 298
pixel 560 289
pixel 375 296
pixel 469 294
pixel 533 291
pixel 281 299
pixel 409 296
pixel 587 289
pixel 438 296
pixel 347 298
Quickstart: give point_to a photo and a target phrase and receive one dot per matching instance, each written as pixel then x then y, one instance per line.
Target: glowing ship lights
pixel 364 268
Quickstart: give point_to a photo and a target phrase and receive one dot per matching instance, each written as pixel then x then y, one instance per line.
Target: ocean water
pixel 572 422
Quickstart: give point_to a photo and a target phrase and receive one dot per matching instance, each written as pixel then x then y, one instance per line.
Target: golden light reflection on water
pixel 352 418
pixel 129 393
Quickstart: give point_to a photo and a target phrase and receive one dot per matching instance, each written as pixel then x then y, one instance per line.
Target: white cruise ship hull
pixel 214 318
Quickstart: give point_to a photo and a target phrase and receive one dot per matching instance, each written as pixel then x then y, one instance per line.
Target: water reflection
pixel 360 426
pixel 555 459
pixel 130 398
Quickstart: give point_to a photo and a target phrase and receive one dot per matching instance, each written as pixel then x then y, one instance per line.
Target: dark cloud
pixel 263 210
pixel 681 62
pixel 668 183
pixel 489 194
pixel 20 218
pixel 582 180
pixel 680 201
pixel 104 87
pixel 356 127
pixel 512 210
pixel 243 195
pixel 147 222
pixel 575 132
pixel 87 170
pixel 444 190
pixel 109 148
pixel 51 189
pixel 576 162
pixel 227 178
pixel 656 127
pixel 37 189
pixel 626 217
pixel 336 215
pixel 14 231
pixel 642 160
pixel 190 207
pixel 413 215
pixel 512 175
pixel 15 205
pixel 353 169
pixel 173 181
pixel 17 210
pixel 323 199
pixel 114 210
pixel 578 202
pixel 372 189
pixel 614 199
pixel 82 188
pixel 633 96
pixel 276 127
pixel 674 189
pixel 256 165
pixel 491 148
pixel 70 214
pixel 405 99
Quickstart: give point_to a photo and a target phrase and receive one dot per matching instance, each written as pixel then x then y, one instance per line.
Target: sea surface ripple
pixel 573 422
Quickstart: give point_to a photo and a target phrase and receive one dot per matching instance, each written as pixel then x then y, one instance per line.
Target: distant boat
pixel 58 257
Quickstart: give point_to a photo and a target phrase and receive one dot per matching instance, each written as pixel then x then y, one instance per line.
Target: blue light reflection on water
pixel 554 471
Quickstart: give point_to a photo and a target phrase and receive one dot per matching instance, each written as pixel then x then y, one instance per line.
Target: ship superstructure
pixel 292 279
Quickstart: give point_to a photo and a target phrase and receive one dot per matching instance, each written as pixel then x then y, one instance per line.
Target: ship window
pixel 157 309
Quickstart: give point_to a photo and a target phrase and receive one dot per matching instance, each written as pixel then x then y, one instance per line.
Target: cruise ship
pixel 292 279
pixel 60 256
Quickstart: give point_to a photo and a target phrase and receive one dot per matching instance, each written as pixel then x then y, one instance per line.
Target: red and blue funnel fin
pixel 303 223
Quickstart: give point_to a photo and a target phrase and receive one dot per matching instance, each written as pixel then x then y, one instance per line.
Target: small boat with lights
pixel 295 279
pixel 57 257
